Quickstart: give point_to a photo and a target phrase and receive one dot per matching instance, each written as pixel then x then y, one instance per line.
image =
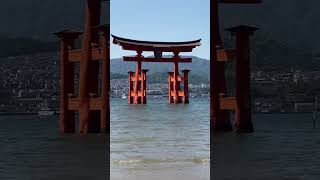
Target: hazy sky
pixel 161 20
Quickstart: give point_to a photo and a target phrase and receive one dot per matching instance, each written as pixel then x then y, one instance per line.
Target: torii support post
pixel 214 91
pixel 176 78
pixel 94 111
pixel 243 121
pixel 130 80
pixel 222 119
pixel 105 109
pixel 137 84
pixel 89 121
pixel 186 85
pixel 67 119
pixel 144 86
pixel 219 119
pixel 170 87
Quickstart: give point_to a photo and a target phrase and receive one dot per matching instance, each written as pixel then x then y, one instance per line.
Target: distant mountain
pixel 39 19
pixel 265 51
pixel 198 67
pixel 117 76
pixel 288 34
pixel 23 46
pixel 292 22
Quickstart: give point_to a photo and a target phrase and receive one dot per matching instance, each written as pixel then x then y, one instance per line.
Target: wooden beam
pixel 76 55
pixel 96 54
pixel 134 78
pixel 95 104
pixel 73 104
pixel 228 103
pixel 179 79
pixel 181 93
pixel 182 60
pixel 226 55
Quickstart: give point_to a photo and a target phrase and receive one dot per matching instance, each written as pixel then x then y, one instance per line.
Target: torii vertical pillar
pixel 94 111
pixel 67 119
pixel 170 87
pixel 176 79
pixel 137 84
pixel 105 109
pixel 243 120
pixel 144 86
pixel 186 85
pixel 219 117
pixel 175 95
pixel 215 115
pixel 130 88
pixel 89 121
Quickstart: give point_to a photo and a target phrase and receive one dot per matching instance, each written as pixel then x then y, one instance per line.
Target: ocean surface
pixel 160 141
pixel 284 147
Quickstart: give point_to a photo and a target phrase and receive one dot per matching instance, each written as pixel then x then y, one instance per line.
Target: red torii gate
pixel 220 103
pixel 94 109
pixel 137 81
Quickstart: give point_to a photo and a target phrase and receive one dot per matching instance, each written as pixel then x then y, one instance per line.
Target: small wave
pixel 129 161
pixel 155 161
pixel 201 161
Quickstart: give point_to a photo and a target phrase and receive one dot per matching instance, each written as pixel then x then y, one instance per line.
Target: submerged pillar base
pixel 244 128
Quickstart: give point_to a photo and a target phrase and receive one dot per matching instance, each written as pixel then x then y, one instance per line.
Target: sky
pixel 161 20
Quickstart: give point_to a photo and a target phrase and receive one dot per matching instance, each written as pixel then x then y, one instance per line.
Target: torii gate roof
pixel 130 44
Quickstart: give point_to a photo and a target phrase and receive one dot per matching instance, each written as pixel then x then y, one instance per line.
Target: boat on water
pixel 57 112
pixel 45 110
pixel 124 96
pixel 265 108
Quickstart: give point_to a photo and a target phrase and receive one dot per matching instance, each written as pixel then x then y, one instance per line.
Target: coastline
pixel 17 113
pixel 36 113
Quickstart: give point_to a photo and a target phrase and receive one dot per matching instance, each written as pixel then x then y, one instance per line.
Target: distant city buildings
pixel 27 81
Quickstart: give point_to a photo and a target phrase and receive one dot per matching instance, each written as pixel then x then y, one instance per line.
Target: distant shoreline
pixel 17 113
pixel 35 113
pixel 282 112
